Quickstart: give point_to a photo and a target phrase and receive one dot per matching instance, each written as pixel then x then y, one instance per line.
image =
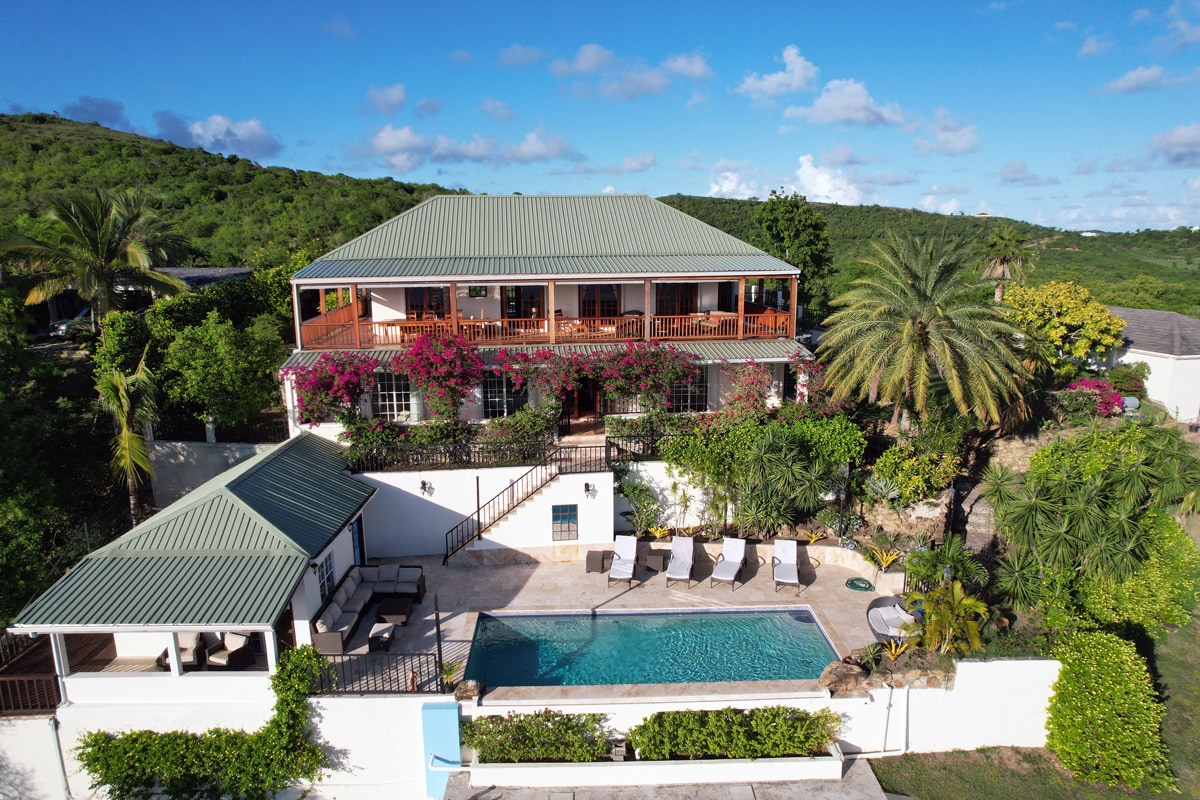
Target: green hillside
pixel 228 207
pixel 1146 269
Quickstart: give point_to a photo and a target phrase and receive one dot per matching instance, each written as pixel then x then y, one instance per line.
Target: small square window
pixel 476 291
pixel 564 523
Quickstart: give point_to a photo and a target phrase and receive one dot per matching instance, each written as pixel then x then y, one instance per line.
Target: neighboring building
pixel 569 273
pixel 1170 343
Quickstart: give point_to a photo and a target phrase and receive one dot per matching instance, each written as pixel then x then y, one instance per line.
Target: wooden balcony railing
pixel 335 330
pixel 25 694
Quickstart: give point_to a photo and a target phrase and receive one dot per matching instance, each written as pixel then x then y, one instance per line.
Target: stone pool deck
pixel 464 591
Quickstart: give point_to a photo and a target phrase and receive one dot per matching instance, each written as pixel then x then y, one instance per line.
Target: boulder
pixel 842 677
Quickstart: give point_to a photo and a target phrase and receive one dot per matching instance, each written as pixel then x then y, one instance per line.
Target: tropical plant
pixel 446 672
pixel 645 508
pixel 97 240
pixel 790 229
pixel 882 558
pixel 333 385
pixel 950 618
pixel 1005 255
pixel 894 648
pixel 541 736
pixel 915 322
pixel 130 399
pixel 643 370
pixel 446 367
pixel 1073 325
pixel 771 732
pixel 928 567
pixel 751 384
pixel 815 536
pixel 914 475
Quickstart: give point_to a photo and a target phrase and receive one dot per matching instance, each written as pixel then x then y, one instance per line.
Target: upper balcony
pixel 499 314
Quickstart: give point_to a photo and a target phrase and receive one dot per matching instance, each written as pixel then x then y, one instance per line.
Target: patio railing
pixel 382 673
pixel 401 458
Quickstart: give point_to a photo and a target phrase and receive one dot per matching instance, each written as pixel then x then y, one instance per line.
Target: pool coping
pixel 647 692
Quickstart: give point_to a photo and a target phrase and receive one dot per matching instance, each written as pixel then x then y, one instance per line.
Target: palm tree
pixel 915 320
pixel 951 618
pixel 1005 255
pixel 130 400
pixel 98 240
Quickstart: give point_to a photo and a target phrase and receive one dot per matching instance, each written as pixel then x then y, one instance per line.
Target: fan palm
pixel 1005 255
pixel 130 399
pixel 916 318
pixel 100 239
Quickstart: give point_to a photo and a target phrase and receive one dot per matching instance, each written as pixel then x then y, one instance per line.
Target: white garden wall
pixel 180 467
pixel 1174 381
pixel 29 767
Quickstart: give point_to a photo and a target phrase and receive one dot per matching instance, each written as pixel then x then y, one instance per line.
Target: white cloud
pixel 497 109
pixel 247 137
pixel 1085 169
pixel 842 156
pixel 1180 146
pixel 427 107
pixel 847 100
pixel 951 136
pixel 945 191
pixel 610 189
pixel 930 202
pixel 1094 46
pixel 697 99
pixel 405 149
pixel 630 164
pixel 798 75
pixel 389 99
pixel 887 179
pixel 518 55
pixel 1140 15
pixel 634 82
pixel 1016 173
pixel 825 185
pixel 1193 184
pixel 1149 78
pixel 730 184
pixel 340 27
pixel 590 59
pixel 729 165
pixel 1065 25
pixel 688 65
pixel 693 160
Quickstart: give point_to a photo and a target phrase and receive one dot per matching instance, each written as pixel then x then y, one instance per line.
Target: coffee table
pixel 395 610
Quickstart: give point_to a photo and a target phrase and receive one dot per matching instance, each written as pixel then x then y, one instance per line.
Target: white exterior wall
pixel 1174 381
pixel 141 645
pixel 307 597
pixel 656 475
pixel 29 767
pixel 401 521
pixel 387 303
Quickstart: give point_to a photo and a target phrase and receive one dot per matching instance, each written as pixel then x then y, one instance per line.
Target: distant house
pixel 1170 343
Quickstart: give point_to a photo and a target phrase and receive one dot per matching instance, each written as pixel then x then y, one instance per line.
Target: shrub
pixel 445 367
pixel 917 476
pixel 751 384
pixel 333 385
pixel 543 736
pixel 220 762
pixel 830 441
pixel 773 732
pixel 1160 592
pixel 1104 721
pixel 1130 379
pixel 1107 399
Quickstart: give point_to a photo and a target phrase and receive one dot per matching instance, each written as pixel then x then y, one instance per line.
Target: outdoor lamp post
pixel 841 495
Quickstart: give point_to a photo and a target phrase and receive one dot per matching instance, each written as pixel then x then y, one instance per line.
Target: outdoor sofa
pixel 339 615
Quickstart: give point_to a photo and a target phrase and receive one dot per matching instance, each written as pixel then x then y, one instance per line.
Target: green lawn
pixel 1011 773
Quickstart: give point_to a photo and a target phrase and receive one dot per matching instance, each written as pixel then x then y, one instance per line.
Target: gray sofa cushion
pixel 388 573
pixel 368 574
pixel 345 622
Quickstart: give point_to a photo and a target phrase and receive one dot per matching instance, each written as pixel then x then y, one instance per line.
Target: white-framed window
pixel 564 523
pixel 325 577
pixel 689 395
pixel 501 397
pixel 393 398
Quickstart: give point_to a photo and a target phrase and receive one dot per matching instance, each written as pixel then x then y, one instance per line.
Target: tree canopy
pixel 1065 317
pixel 790 230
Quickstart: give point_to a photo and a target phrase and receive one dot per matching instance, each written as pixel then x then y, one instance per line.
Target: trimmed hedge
pixel 1104 721
pixel 773 732
pixel 546 736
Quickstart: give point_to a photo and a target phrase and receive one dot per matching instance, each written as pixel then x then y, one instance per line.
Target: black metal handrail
pixel 402 457
pixel 498 507
pixel 12 645
pixel 382 673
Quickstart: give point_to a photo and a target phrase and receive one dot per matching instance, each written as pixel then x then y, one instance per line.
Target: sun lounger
pixel 889 622
pixel 729 563
pixel 624 559
pixel 682 553
pixel 787 572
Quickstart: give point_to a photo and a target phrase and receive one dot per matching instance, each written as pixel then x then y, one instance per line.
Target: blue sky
pixel 1070 114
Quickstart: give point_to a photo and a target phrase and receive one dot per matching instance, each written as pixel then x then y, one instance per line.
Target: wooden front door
pixel 523 302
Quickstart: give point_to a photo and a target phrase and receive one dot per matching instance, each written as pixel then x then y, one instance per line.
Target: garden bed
pixel 661 773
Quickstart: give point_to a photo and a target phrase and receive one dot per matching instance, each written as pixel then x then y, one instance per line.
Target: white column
pixel 62 667
pixel 272 648
pixel 173 655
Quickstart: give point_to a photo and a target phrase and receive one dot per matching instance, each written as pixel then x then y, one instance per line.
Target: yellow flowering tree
pixel 1064 318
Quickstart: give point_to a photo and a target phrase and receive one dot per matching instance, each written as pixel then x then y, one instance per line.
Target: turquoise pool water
pixel 604 648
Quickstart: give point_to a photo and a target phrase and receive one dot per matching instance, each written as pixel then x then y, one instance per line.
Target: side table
pixel 380 637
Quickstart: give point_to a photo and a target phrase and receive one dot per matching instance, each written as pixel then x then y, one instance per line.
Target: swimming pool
pixel 607 648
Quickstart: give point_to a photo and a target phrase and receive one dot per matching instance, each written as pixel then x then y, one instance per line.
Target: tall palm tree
pixel 915 320
pixel 1005 256
pixel 99 239
pixel 131 401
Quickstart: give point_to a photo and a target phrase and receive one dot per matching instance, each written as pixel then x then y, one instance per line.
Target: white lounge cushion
pixel 368 574
pixel 733 555
pixel 682 554
pixel 385 587
pixel 355 604
pixel 889 620
pixel 787 573
pixel 334 609
pixel 389 572
pixel 362 594
pixel 351 583
pixel 340 596
pixel 236 641
pixel 405 587
pixel 624 559
pixel 345 622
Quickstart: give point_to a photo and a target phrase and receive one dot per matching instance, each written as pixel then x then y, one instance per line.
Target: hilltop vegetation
pixel 1146 269
pixel 231 209
pixel 227 207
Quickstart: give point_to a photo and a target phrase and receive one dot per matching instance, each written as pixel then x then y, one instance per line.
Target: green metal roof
pixel 513 235
pixel 228 554
pixel 709 352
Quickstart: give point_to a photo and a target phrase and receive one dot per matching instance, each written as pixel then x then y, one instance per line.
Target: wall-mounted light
pixel 587 489
pixel 426 487
pixel 313 566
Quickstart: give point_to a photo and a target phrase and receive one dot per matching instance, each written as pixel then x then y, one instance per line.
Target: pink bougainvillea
pixel 751 384
pixel 552 374
pixel 815 397
pixel 333 385
pixel 645 370
pixel 445 367
pixel 1108 399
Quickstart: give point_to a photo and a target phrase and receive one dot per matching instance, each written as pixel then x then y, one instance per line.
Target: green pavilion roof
pixel 228 554
pixel 590 236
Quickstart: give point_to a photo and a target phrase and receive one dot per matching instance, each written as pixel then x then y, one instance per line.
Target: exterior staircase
pixel 559 460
